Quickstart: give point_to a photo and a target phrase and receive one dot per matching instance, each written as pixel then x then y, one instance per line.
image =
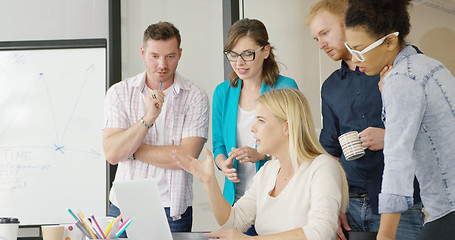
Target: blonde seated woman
pixel 296 195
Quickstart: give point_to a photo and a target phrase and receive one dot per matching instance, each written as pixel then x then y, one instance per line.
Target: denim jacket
pixel 419 107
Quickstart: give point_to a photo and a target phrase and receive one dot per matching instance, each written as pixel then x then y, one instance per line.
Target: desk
pixel 178 236
pixel 188 236
pixel 175 236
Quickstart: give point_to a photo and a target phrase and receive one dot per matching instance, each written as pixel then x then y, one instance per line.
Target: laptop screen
pixel 140 199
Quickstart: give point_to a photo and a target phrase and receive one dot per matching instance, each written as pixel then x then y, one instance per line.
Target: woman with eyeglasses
pixel 254 72
pixel 418 95
pixel 296 195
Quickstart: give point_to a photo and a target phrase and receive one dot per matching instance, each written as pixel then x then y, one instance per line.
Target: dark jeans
pixel 184 224
pixel 440 229
pixel 361 219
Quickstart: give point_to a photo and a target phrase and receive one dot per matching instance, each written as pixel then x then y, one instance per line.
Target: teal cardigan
pixel 224 122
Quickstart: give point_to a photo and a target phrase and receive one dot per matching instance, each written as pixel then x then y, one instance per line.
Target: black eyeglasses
pixel 246 56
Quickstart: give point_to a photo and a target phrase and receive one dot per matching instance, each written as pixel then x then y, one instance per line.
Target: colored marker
pixel 117 219
pixel 121 225
pixel 81 227
pixel 120 231
pixel 98 226
pixel 81 216
pixel 160 85
pixel 108 230
pixel 92 227
pixel 72 214
pixel 98 235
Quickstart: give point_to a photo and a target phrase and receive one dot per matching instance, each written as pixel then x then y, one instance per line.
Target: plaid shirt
pixel 186 115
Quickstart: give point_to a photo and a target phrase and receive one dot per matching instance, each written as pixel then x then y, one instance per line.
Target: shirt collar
pixel 178 85
pixel 141 83
pixel 406 52
pixel 344 69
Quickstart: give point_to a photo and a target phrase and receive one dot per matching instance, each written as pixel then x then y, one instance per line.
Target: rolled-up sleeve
pixel 391 203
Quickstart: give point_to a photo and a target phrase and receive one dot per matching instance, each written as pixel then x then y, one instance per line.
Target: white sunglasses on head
pixel 359 54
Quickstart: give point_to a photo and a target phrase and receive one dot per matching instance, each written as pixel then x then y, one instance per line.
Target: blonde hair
pixel 291 106
pixel 335 7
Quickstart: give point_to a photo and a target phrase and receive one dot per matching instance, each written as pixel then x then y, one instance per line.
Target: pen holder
pixel 87 238
pixel 112 232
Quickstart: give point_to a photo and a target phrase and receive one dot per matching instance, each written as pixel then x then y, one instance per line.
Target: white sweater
pixel 311 200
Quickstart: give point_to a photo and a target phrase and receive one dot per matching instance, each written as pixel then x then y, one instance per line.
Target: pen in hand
pixel 156 104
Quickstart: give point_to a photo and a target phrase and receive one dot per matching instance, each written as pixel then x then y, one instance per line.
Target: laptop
pixel 141 199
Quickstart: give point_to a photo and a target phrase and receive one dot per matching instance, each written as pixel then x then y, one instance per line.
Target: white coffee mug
pixel 351 145
pixel 71 232
pixel 8 228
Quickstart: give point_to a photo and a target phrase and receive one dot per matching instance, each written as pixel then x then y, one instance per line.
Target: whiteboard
pixel 51 119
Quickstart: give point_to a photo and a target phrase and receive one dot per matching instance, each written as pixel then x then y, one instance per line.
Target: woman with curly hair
pixel 418 95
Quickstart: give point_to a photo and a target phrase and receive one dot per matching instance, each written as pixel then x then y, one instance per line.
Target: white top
pixel 245 137
pixel 311 200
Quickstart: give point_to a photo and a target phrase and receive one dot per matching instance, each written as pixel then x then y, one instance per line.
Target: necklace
pixel 284 178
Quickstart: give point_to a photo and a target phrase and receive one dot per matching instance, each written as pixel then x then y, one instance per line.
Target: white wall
pixel 433 31
pixel 53 19
pixel 201 28
pixel 295 48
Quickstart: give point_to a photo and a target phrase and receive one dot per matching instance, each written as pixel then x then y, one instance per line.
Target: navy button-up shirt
pixel 351 101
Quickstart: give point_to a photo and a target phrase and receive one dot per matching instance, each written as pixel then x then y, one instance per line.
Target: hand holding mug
pixel 351 145
pixel 372 138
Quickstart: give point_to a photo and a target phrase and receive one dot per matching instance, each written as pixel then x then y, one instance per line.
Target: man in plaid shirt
pixel 148 116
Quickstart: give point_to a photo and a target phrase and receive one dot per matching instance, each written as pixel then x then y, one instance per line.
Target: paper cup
pixel 8 228
pixel 351 145
pixel 52 232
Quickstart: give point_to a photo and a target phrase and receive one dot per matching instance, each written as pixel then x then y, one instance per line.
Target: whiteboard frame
pixel 65 44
